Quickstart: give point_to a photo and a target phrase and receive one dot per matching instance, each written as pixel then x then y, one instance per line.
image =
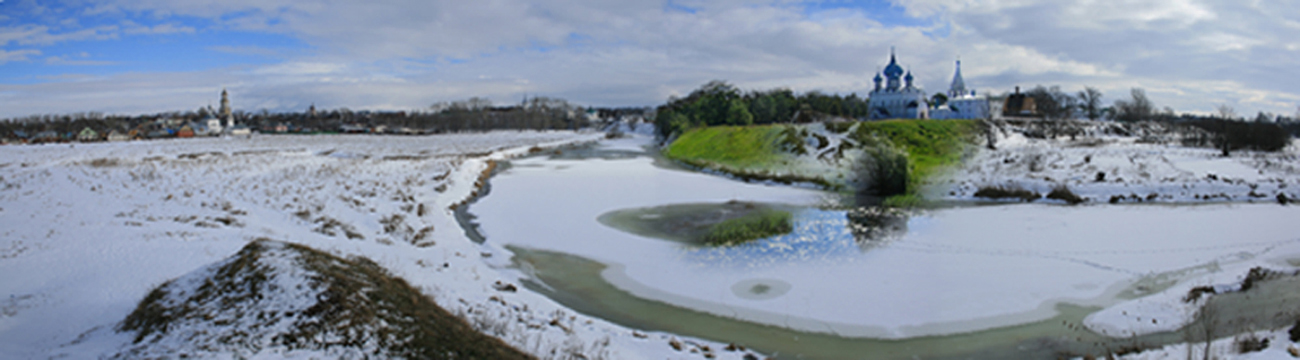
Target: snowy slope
pixel 1104 167
pixel 86 230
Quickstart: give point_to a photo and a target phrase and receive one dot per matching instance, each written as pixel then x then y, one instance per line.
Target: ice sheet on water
pixel 818 235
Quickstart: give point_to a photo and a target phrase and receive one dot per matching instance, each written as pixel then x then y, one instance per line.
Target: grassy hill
pixel 815 153
pixel 931 145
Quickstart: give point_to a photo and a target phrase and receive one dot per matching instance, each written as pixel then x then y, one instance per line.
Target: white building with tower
pixel 897 99
pixel 962 103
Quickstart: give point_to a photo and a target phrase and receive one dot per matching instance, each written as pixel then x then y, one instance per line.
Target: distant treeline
pixel 1232 135
pixel 462 116
pixel 720 103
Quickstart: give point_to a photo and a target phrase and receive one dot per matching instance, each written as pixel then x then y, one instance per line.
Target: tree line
pixel 474 114
pixel 719 103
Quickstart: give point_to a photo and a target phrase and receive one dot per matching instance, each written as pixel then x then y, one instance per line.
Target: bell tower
pixel 225 109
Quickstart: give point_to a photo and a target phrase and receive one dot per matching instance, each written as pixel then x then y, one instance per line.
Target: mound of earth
pixel 286 300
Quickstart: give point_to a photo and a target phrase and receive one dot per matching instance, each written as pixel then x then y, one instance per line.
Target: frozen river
pixel 963 280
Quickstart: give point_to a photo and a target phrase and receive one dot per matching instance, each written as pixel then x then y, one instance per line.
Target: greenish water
pixel 576 282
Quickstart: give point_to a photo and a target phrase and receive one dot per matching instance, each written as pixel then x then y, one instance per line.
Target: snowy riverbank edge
pixel 513 316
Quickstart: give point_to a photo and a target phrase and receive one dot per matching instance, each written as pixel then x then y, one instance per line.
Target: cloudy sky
pixel 144 56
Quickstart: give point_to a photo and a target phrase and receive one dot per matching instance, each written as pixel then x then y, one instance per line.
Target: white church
pixel 902 99
pixel 896 100
pixel 962 104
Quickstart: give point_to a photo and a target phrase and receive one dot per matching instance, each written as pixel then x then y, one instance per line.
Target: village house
pixel 87 135
pixel 1019 105
pixel 117 135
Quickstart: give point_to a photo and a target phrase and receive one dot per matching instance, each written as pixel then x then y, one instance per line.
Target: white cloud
pixel 41 35
pixel 72 60
pixel 1189 54
pixel 162 29
pixel 301 68
pixel 17 55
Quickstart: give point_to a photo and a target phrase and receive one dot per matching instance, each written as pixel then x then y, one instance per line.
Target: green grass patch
pixel 709 224
pixel 764 152
pixel 753 226
pixel 906 201
pixel 734 147
pixel 931 145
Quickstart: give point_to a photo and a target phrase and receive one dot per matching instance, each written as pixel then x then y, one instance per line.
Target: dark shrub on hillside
pixel 1295 332
pixel 998 192
pixel 1064 194
pixel 883 172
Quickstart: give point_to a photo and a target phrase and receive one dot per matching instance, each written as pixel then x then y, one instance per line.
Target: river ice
pixel 956 270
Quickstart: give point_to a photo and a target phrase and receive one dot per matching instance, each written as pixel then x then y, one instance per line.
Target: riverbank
pixel 1034 261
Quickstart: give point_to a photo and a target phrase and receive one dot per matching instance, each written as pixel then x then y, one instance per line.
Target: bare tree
pixel 1138 108
pixel 1226 112
pixel 1090 102
pixel 1052 103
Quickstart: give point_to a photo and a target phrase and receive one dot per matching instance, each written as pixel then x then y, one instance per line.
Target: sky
pixel 148 56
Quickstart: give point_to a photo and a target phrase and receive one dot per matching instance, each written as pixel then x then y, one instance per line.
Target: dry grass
pixel 998 193
pixel 1063 193
pixel 359 307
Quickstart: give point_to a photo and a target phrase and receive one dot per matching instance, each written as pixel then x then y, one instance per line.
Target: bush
pixel 1063 193
pixel 998 192
pixel 1197 292
pixel 883 172
pixel 753 226
pixel 1251 343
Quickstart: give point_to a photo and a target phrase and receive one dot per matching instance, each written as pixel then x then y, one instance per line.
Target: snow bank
pixel 1280 347
pixel 1120 169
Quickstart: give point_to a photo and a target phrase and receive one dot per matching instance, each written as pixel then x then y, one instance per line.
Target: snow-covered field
pixel 86 230
pixel 1105 167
